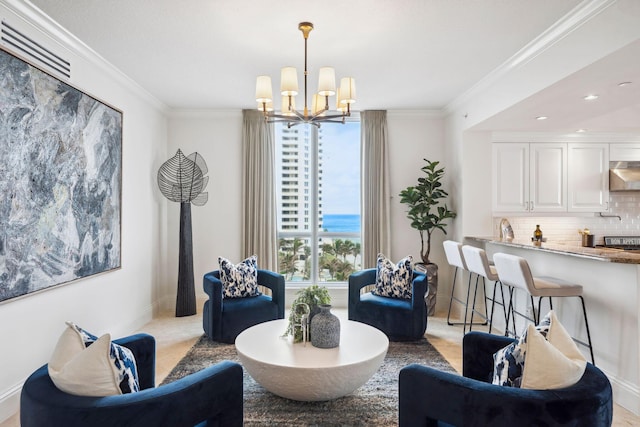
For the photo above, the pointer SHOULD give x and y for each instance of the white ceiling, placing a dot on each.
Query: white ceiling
(404, 54)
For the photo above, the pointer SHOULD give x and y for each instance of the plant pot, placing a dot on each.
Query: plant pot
(325, 328)
(431, 270)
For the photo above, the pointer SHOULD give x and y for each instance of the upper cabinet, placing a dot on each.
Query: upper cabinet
(529, 177)
(624, 152)
(550, 177)
(588, 184)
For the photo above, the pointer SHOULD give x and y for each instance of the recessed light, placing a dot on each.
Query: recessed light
(542, 118)
(581, 130)
(624, 84)
(590, 97)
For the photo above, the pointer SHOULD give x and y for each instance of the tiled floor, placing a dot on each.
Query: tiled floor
(176, 335)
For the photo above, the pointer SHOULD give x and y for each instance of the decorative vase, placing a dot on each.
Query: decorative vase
(431, 270)
(325, 328)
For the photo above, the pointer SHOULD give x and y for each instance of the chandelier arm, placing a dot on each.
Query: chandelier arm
(283, 117)
(299, 115)
(330, 116)
(333, 119)
(319, 114)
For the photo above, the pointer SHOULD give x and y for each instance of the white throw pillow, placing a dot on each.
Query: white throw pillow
(551, 362)
(544, 358)
(85, 365)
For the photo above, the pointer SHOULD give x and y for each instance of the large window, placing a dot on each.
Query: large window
(318, 196)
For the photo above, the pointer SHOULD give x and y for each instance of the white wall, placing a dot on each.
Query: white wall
(119, 301)
(216, 226)
(414, 136)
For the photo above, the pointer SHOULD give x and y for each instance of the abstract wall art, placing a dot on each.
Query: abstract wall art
(60, 181)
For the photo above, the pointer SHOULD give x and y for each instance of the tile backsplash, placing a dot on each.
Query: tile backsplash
(564, 229)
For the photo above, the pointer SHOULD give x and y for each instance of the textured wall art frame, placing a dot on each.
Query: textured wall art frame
(60, 181)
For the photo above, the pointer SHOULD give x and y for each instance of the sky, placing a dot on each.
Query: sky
(341, 168)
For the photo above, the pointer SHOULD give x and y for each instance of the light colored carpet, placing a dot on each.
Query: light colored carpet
(373, 404)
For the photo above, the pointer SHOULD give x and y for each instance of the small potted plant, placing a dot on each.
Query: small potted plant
(313, 296)
(427, 214)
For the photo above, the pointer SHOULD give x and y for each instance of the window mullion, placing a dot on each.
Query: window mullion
(315, 273)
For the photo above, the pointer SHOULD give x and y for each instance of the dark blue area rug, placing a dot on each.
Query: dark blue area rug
(373, 404)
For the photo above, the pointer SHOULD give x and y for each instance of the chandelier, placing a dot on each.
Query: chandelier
(319, 111)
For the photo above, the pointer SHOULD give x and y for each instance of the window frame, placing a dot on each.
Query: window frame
(313, 233)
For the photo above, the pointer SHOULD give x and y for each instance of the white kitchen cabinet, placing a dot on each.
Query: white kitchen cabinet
(529, 177)
(588, 179)
(624, 152)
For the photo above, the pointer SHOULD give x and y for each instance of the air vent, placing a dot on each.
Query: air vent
(40, 55)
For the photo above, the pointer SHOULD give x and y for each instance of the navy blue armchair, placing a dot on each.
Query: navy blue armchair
(224, 318)
(210, 397)
(429, 397)
(399, 319)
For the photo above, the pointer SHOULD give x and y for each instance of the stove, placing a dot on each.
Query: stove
(623, 243)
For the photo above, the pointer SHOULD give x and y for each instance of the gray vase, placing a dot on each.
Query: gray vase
(325, 328)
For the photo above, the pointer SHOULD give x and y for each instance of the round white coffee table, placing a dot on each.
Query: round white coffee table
(304, 372)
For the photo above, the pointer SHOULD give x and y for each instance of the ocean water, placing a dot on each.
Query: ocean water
(341, 223)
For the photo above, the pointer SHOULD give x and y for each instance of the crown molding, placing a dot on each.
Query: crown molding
(202, 113)
(36, 19)
(581, 14)
(595, 137)
(414, 113)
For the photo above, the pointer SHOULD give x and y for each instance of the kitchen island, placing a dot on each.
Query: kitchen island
(610, 280)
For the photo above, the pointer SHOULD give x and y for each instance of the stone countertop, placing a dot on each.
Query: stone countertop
(598, 254)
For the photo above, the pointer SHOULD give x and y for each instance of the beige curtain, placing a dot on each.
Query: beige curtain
(375, 187)
(258, 190)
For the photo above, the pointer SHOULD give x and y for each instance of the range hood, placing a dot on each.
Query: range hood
(624, 176)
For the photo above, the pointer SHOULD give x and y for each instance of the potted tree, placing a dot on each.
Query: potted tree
(427, 214)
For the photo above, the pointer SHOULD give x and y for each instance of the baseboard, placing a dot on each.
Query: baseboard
(10, 402)
(625, 394)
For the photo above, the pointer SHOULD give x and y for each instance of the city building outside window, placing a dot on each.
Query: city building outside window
(318, 201)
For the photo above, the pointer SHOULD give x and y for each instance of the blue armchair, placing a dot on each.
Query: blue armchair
(224, 318)
(399, 319)
(429, 397)
(211, 397)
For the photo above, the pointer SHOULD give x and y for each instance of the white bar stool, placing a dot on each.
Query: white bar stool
(477, 262)
(514, 271)
(455, 258)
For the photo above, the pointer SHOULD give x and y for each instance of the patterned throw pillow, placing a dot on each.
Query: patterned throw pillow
(544, 358)
(239, 280)
(509, 361)
(393, 280)
(86, 365)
